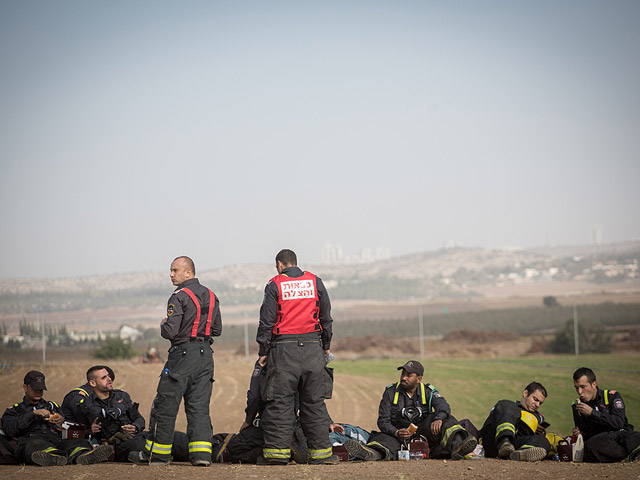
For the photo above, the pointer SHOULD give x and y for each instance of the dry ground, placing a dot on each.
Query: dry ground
(229, 390)
(227, 407)
(464, 470)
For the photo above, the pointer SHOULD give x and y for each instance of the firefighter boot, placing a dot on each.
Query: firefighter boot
(466, 446)
(531, 454)
(361, 452)
(505, 449)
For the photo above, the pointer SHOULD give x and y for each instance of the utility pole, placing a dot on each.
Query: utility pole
(44, 338)
(575, 329)
(420, 322)
(246, 335)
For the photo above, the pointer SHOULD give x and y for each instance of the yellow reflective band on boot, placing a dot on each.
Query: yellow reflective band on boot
(448, 433)
(529, 420)
(505, 426)
(320, 454)
(77, 450)
(50, 449)
(200, 447)
(276, 453)
(154, 447)
(634, 452)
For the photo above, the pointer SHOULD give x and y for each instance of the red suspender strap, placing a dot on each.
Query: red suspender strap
(212, 303)
(194, 330)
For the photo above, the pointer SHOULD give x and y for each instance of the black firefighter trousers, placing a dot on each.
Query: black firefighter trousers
(70, 448)
(451, 435)
(502, 424)
(188, 373)
(296, 364)
(609, 447)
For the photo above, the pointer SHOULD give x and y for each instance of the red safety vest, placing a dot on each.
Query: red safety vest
(298, 304)
(196, 323)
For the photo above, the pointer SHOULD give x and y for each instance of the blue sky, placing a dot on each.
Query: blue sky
(133, 132)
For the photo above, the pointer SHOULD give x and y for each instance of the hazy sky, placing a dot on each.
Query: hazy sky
(136, 131)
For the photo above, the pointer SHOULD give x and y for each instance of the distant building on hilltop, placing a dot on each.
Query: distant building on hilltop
(596, 235)
(332, 254)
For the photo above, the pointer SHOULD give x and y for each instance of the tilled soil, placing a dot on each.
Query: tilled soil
(353, 397)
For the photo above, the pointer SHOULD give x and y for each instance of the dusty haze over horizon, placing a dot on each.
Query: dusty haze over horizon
(134, 132)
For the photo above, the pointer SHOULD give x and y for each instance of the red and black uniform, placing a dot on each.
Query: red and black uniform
(506, 422)
(295, 328)
(33, 433)
(608, 435)
(193, 317)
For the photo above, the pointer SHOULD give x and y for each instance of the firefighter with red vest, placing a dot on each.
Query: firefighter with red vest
(193, 317)
(294, 335)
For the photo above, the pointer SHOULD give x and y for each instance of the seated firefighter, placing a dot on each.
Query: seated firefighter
(600, 416)
(515, 430)
(35, 423)
(412, 409)
(112, 415)
(70, 407)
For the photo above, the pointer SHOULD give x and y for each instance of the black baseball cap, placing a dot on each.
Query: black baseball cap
(35, 380)
(413, 366)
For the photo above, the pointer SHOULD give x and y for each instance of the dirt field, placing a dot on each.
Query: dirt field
(466, 470)
(227, 407)
(229, 391)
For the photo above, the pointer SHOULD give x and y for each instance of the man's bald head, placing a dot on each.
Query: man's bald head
(188, 264)
(182, 269)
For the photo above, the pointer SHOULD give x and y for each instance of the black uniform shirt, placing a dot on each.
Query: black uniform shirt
(255, 405)
(71, 404)
(390, 416)
(269, 309)
(20, 421)
(606, 416)
(113, 412)
(181, 314)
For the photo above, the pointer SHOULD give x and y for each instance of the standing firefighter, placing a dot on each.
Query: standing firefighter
(193, 317)
(295, 336)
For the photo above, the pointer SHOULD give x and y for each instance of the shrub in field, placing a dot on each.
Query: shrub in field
(550, 301)
(591, 339)
(114, 347)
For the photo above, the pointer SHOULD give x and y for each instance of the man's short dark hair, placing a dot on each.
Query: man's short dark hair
(584, 372)
(190, 265)
(533, 386)
(287, 258)
(95, 368)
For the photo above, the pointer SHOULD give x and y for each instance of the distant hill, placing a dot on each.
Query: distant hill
(451, 272)
(562, 251)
